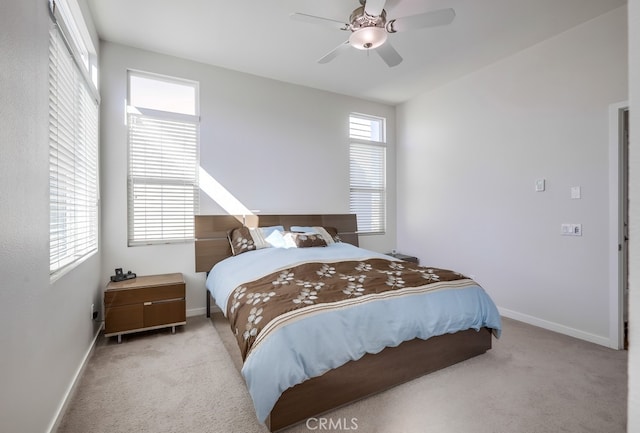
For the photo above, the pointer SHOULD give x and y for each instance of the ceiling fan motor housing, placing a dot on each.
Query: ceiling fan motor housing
(360, 19)
(368, 31)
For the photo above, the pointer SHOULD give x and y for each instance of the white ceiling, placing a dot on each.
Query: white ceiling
(258, 37)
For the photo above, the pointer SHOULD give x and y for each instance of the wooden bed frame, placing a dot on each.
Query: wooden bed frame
(356, 379)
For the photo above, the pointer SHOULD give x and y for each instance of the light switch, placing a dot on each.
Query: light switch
(575, 192)
(571, 229)
(539, 185)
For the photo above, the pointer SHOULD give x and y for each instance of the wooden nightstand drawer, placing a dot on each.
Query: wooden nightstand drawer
(159, 313)
(124, 318)
(128, 296)
(143, 303)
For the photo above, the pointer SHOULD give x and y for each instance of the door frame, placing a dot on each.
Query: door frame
(616, 233)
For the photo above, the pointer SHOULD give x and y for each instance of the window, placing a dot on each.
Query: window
(77, 37)
(73, 150)
(163, 140)
(367, 174)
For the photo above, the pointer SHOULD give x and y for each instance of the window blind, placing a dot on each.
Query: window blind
(163, 179)
(73, 160)
(367, 156)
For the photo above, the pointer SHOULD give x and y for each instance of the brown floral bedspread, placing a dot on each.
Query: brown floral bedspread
(262, 306)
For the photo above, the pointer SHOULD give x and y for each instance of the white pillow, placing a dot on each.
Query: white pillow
(266, 231)
(289, 242)
(258, 238)
(276, 239)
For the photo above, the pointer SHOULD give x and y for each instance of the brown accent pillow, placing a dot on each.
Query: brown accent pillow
(240, 240)
(306, 240)
(333, 232)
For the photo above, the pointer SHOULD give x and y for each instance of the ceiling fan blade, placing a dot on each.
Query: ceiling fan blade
(335, 52)
(319, 20)
(440, 17)
(389, 54)
(374, 7)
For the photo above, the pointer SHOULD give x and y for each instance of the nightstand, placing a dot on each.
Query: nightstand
(405, 257)
(144, 303)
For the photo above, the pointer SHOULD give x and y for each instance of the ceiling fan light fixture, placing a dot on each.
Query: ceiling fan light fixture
(366, 38)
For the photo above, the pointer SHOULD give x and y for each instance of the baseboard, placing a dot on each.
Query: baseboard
(197, 312)
(203, 311)
(53, 427)
(62, 407)
(556, 327)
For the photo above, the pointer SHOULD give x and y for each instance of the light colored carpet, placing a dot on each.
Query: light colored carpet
(532, 381)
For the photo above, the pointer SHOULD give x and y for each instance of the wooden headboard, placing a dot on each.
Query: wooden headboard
(211, 244)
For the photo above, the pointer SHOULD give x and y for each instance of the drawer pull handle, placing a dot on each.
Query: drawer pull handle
(148, 303)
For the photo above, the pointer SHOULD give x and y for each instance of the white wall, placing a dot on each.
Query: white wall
(277, 147)
(45, 329)
(633, 406)
(468, 155)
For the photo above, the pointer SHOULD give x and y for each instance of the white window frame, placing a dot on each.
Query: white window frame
(73, 145)
(163, 193)
(367, 173)
(67, 15)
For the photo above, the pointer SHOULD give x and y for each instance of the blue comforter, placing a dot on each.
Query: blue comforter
(310, 346)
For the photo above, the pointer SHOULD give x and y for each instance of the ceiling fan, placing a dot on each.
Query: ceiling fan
(369, 28)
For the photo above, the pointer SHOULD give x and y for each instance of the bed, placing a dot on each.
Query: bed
(313, 356)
